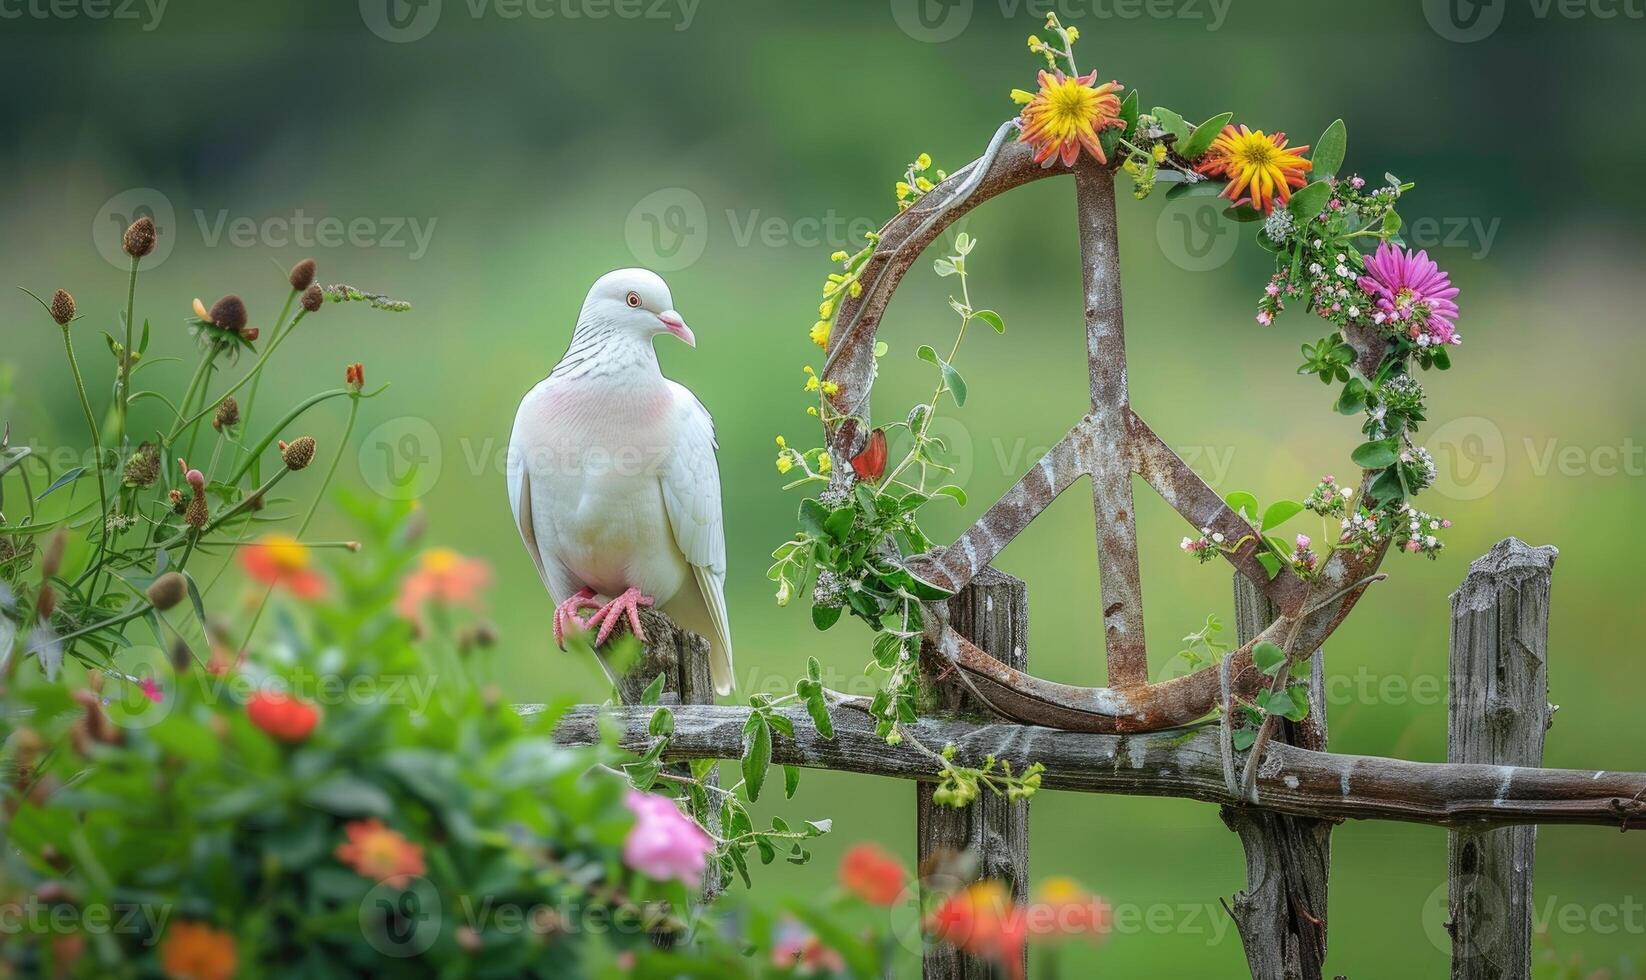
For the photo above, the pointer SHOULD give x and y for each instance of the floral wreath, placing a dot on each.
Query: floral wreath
(1338, 254)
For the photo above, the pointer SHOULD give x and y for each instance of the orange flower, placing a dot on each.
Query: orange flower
(983, 921)
(444, 576)
(280, 559)
(196, 951)
(287, 718)
(1063, 908)
(376, 852)
(1260, 169)
(872, 875)
(354, 376)
(1066, 115)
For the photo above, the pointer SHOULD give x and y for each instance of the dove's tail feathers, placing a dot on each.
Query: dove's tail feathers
(713, 588)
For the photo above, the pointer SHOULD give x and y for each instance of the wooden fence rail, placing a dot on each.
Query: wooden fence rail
(1490, 795)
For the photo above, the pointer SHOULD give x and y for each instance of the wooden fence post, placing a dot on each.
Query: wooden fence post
(1281, 916)
(993, 611)
(1498, 711)
(682, 657)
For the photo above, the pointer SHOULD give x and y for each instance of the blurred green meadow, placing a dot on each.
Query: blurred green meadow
(487, 160)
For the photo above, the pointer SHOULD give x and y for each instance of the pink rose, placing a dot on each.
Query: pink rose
(664, 843)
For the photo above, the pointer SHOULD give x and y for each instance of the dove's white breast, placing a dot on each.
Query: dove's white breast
(595, 451)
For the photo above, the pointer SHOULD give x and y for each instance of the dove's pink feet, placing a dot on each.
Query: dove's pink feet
(626, 606)
(566, 613)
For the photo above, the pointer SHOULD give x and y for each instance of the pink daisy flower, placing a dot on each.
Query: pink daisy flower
(1411, 290)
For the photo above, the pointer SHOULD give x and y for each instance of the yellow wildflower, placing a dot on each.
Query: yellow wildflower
(784, 463)
(923, 184)
(811, 410)
(782, 443)
(824, 463)
(1021, 97)
(1160, 153)
(831, 389)
(820, 333)
(923, 161)
(826, 309)
(839, 257)
(1034, 43)
(856, 289)
(812, 384)
(1074, 34)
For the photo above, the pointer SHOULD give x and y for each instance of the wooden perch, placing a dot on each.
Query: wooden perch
(1181, 763)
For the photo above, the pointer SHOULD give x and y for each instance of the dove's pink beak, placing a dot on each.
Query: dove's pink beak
(677, 326)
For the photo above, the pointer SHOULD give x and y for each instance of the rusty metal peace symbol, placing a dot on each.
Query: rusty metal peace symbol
(1110, 445)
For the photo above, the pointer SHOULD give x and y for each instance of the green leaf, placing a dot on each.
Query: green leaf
(944, 268)
(349, 796)
(1377, 454)
(1352, 401)
(61, 481)
(1329, 150)
(662, 723)
(813, 518)
(925, 353)
(791, 781)
(1128, 114)
(1244, 504)
(1243, 739)
(1270, 563)
(757, 758)
(1268, 657)
(824, 617)
(1201, 139)
(195, 600)
(1310, 201)
(955, 383)
(818, 708)
(992, 319)
(1171, 122)
(1279, 513)
(814, 670)
(955, 492)
(654, 691)
(838, 524)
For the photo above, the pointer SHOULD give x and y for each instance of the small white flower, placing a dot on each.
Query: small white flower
(1218, 537)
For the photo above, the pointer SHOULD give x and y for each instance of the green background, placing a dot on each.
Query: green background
(528, 148)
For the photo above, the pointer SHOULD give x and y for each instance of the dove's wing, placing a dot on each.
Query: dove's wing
(531, 518)
(691, 496)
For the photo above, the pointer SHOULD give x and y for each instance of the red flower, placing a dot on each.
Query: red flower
(354, 376)
(196, 951)
(1063, 908)
(871, 462)
(983, 921)
(444, 576)
(872, 875)
(287, 718)
(381, 854)
(280, 559)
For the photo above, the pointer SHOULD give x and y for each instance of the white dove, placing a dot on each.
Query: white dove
(613, 479)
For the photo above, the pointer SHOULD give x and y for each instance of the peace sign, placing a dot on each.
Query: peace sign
(1110, 445)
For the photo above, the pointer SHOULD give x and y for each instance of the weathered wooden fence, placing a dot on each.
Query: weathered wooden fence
(1489, 795)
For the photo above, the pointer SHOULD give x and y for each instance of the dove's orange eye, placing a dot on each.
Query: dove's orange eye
(634, 300)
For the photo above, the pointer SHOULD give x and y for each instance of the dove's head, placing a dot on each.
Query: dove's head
(636, 301)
